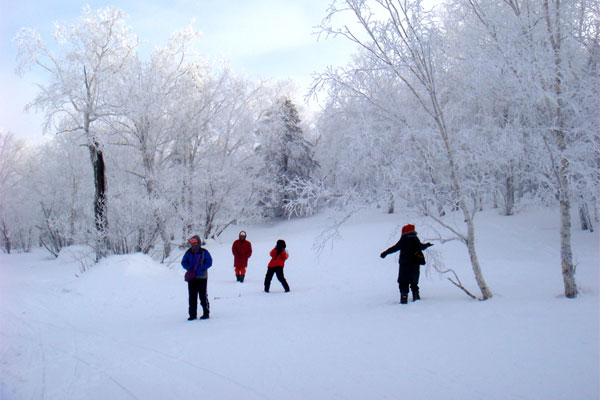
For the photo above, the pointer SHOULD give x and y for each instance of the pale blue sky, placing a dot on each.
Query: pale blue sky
(268, 39)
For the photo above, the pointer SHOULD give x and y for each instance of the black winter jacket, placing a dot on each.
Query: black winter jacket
(409, 244)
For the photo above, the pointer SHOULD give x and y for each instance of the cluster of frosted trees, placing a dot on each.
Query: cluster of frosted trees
(471, 105)
(479, 104)
(145, 152)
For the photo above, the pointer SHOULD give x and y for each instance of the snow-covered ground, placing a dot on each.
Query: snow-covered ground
(119, 331)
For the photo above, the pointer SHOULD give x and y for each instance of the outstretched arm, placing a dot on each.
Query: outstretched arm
(391, 250)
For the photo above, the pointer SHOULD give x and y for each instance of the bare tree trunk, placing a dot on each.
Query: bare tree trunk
(148, 162)
(566, 253)
(164, 235)
(509, 195)
(187, 194)
(483, 287)
(562, 169)
(97, 159)
(438, 116)
(183, 211)
(495, 199)
(6, 243)
(160, 226)
(584, 217)
(209, 219)
(98, 166)
(486, 293)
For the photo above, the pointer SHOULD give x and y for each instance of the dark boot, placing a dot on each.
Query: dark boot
(205, 313)
(404, 299)
(242, 278)
(237, 277)
(414, 288)
(191, 318)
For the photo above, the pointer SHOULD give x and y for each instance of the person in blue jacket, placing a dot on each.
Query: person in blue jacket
(197, 261)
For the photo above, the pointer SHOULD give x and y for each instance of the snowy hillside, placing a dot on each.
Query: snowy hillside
(119, 331)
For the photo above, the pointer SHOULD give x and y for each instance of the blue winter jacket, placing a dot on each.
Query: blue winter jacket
(190, 258)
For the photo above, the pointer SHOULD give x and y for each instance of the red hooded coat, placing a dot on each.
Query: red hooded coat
(242, 250)
(278, 260)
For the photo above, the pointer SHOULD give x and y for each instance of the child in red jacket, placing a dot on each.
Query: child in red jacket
(278, 256)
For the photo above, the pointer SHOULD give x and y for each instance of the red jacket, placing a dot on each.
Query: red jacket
(278, 260)
(242, 250)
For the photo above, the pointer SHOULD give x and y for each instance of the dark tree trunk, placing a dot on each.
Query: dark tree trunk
(99, 198)
(509, 196)
(391, 203)
(6, 243)
(584, 217)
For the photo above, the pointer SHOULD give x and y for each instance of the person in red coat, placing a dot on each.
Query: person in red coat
(242, 251)
(278, 256)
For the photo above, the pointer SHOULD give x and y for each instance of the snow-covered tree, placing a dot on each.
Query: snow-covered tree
(150, 94)
(487, 103)
(226, 183)
(548, 51)
(287, 156)
(59, 188)
(80, 93)
(403, 40)
(174, 134)
(12, 154)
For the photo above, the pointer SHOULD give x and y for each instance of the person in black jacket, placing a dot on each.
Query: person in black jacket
(411, 257)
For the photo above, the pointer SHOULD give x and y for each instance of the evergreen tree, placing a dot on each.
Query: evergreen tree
(288, 158)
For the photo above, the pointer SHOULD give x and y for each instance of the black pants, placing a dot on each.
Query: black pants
(410, 279)
(279, 272)
(197, 288)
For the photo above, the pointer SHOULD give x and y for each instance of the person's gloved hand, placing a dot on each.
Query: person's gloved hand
(428, 244)
(382, 255)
